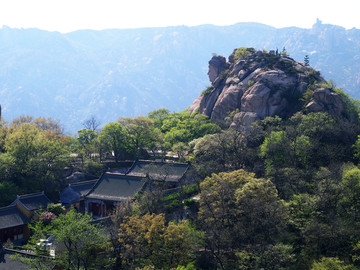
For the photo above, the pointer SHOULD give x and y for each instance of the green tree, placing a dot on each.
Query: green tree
(183, 127)
(42, 260)
(321, 225)
(282, 150)
(159, 116)
(147, 240)
(21, 143)
(331, 138)
(356, 147)
(35, 157)
(350, 195)
(180, 149)
(331, 263)
(8, 192)
(79, 244)
(218, 216)
(82, 241)
(141, 132)
(294, 149)
(3, 134)
(284, 53)
(275, 257)
(223, 151)
(86, 139)
(157, 145)
(243, 52)
(306, 60)
(114, 138)
(262, 214)
(239, 212)
(275, 150)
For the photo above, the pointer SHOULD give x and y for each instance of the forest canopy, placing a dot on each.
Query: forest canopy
(282, 194)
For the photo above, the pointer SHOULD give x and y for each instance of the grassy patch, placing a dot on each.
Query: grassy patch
(207, 90)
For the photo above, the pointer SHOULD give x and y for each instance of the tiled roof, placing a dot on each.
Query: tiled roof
(33, 201)
(170, 172)
(115, 187)
(6, 263)
(76, 190)
(11, 216)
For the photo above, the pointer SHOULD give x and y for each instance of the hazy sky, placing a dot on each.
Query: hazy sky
(70, 15)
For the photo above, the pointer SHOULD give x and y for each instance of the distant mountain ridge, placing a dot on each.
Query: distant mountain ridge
(112, 73)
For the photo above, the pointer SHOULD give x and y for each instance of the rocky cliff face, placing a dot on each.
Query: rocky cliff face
(255, 84)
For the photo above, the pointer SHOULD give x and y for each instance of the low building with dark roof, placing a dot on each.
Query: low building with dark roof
(109, 191)
(13, 224)
(29, 203)
(74, 194)
(14, 218)
(113, 188)
(170, 173)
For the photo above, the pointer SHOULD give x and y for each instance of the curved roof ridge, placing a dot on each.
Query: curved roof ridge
(8, 206)
(29, 204)
(162, 161)
(124, 174)
(83, 182)
(172, 171)
(31, 195)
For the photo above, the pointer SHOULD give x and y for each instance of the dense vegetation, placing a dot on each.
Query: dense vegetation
(284, 195)
(33, 154)
(34, 151)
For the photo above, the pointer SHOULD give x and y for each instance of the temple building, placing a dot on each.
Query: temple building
(13, 224)
(74, 194)
(29, 203)
(115, 187)
(14, 219)
(109, 191)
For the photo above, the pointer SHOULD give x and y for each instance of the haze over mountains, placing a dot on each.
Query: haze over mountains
(113, 73)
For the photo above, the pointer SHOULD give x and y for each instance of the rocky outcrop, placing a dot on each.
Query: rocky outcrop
(217, 64)
(261, 84)
(324, 99)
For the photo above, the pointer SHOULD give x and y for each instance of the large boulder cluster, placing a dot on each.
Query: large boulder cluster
(258, 85)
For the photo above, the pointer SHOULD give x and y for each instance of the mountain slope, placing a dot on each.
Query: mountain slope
(114, 73)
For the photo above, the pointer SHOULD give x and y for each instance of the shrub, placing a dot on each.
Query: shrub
(93, 167)
(312, 76)
(47, 217)
(207, 90)
(243, 52)
(173, 205)
(189, 202)
(172, 196)
(352, 106)
(331, 263)
(287, 67)
(251, 83)
(55, 208)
